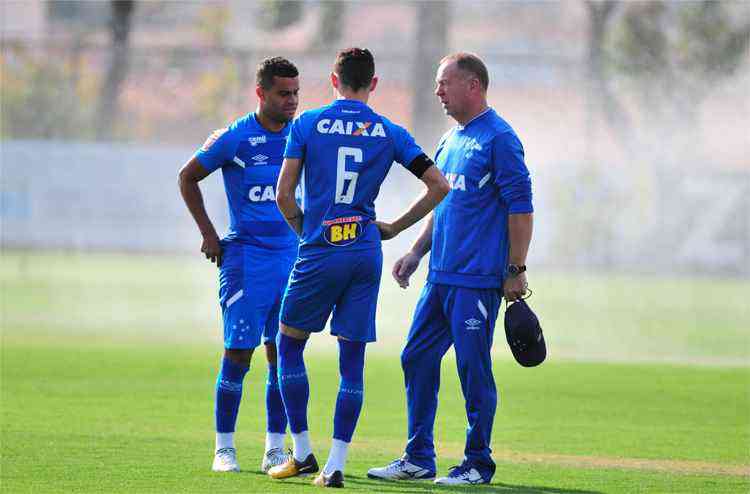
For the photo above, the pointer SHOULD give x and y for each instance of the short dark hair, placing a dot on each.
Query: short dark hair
(355, 67)
(468, 62)
(274, 67)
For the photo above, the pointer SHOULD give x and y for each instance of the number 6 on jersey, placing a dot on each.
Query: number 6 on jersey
(344, 194)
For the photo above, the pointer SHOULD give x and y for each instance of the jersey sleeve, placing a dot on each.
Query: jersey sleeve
(511, 174)
(218, 149)
(295, 143)
(406, 149)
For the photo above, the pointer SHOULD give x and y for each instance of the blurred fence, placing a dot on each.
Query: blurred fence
(68, 195)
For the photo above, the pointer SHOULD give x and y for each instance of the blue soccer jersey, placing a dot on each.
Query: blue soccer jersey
(250, 158)
(347, 150)
(484, 164)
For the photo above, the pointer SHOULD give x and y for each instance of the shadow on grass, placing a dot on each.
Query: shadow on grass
(416, 487)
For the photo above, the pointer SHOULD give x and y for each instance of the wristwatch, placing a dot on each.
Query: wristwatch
(514, 270)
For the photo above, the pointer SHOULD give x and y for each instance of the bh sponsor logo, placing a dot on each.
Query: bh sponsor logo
(342, 231)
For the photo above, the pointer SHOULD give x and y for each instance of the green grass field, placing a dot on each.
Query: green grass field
(109, 361)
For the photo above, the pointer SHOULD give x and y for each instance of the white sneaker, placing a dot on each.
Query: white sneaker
(462, 475)
(401, 469)
(272, 458)
(225, 460)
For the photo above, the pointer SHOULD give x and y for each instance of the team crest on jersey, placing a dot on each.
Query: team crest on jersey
(342, 231)
(471, 146)
(255, 140)
(350, 128)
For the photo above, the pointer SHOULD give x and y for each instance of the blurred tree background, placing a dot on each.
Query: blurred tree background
(634, 115)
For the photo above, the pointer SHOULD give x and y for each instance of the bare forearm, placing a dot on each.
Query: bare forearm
(520, 228)
(191, 194)
(419, 209)
(291, 211)
(423, 243)
(437, 189)
(288, 180)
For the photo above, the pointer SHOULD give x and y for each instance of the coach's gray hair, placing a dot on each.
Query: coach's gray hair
(471, 63)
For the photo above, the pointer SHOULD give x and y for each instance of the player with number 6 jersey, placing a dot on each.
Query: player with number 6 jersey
(353, 149)
(340, 153)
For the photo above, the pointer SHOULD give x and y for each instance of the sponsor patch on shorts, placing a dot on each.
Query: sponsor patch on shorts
(342, 231)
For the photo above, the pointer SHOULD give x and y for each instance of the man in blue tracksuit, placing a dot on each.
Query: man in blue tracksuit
(479, 237)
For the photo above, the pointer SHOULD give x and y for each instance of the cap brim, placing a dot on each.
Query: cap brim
(532, 355)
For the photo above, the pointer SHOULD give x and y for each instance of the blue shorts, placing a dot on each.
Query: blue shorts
(251, 284)
(343, 282)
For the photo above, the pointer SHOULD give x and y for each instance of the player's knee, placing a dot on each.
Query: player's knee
(271, 352)
(239, 357)
(291, 332)
(407, 359)
(412, 359)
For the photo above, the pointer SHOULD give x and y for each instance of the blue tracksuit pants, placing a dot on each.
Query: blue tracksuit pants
(465, 318)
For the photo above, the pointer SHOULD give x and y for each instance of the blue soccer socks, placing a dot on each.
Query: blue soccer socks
(228, 395)
(293, 384)
(349, 400)
(295, 393)
(275, 414)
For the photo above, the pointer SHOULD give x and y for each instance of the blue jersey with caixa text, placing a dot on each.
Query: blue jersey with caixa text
(250, 158)
(484, 164)
(347, 150)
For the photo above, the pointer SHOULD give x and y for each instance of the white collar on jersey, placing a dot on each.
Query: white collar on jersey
(462, 127)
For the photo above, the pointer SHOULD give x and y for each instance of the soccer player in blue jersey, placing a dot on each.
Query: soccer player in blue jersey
(256, 255)
(341, 154)
(479, 236)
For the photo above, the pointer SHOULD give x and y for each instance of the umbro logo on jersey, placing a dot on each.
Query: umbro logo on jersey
(366, 129)
(255, 140)
(473, 324)
(260, 159)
